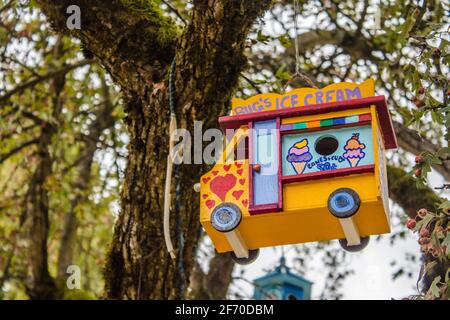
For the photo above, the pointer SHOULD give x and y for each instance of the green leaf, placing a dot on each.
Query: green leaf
(443, 152)
(261, 37)
(446, 243)
(435, 160)
(434, 288)
(282, 74)
(285, 40)
(424, 222)
(429, 266)
(445, 205)
(409, 23)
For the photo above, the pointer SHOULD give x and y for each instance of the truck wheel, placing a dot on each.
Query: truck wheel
(226, 217)
(252, 256)
(357, 248)
(343, 203)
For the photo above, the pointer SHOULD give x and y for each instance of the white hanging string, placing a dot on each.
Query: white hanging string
(297, 54)
(298, 74)
(168, 185)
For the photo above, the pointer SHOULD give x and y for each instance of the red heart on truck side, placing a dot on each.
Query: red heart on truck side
(210, 203)
(222, 184)
(237, 194)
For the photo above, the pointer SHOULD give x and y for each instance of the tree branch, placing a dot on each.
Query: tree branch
(7, 6)
(403, 191)
(422, 9)
(17, 149)
(174, 10)
(132, 39)
(33, 82)
(213, 285)
(410, 141)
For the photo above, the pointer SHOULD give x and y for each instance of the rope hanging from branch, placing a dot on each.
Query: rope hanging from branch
(298, 74)
(168, 186)
(297, 55)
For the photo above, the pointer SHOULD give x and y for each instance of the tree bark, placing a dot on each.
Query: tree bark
(403, 191)
(137, 49)
(210, 57)
(213, 285)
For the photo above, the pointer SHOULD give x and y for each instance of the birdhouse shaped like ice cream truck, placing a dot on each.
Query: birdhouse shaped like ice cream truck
(311, 168)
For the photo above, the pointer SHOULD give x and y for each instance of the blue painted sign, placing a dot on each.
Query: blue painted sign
(301, 152)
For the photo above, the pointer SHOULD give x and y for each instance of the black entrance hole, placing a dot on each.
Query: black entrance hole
(326, 145)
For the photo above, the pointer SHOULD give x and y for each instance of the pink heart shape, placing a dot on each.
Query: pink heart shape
(210, 203)
(222, 184)
(237, 194)
(206, 180)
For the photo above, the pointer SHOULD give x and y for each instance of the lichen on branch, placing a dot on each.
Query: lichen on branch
(164, 27)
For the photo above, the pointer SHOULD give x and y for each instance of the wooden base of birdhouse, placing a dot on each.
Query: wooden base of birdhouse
(351, 232)
(237, 243)
(306, 217)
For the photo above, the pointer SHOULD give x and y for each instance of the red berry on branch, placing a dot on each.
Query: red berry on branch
(436, 252)
(419, 159)
(418, 172)
(424, 233)
(424, 240)
(419, 103)
(422, 212)
(410, 223)
(421, 90)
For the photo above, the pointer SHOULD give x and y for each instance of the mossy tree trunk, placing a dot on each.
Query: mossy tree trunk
(103, 120)
(136, 44)
(35, 218)
(216, 283)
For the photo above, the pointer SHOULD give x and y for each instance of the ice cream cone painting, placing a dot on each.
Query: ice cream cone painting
(299, 156)
(353, 150)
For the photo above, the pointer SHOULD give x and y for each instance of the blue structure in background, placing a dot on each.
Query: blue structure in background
(282, 284)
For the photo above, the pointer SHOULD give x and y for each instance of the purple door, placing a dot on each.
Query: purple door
(265, 166)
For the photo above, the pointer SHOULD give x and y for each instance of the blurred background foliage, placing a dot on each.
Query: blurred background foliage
(86, 149)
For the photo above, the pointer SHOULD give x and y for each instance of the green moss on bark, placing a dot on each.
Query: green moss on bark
(151, 11)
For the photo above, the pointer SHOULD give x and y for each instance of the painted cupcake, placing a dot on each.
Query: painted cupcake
(354, 152)
(299, 156)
